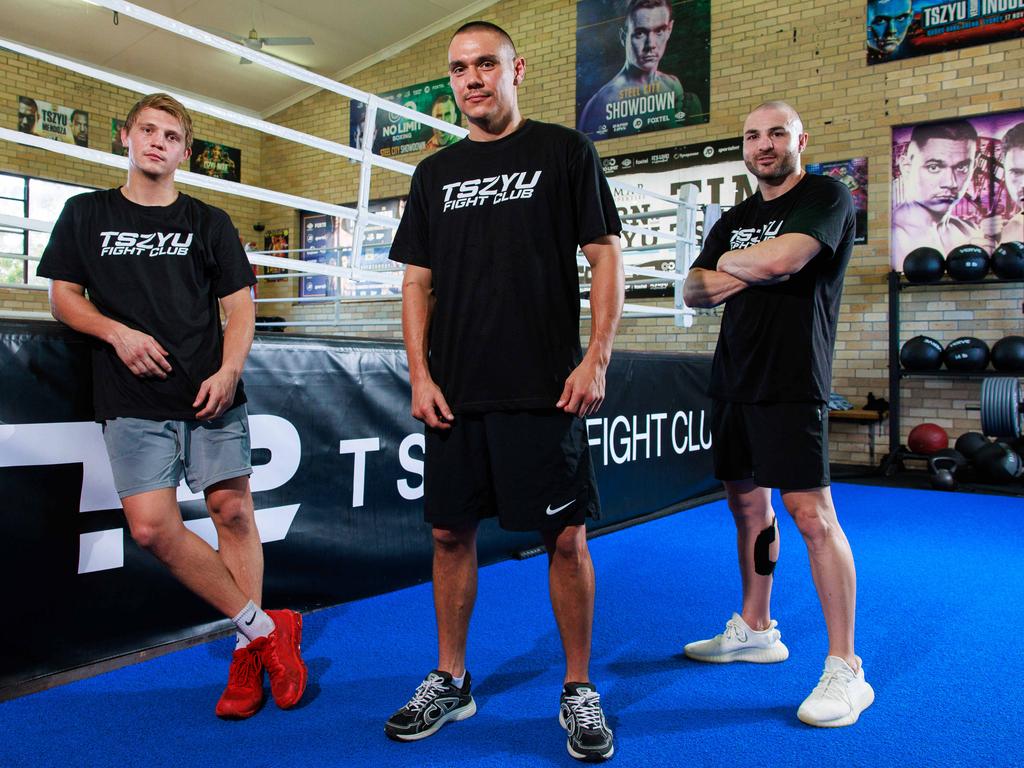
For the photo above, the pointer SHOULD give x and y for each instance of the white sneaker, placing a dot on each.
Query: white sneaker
(839, 697)
(740, 643)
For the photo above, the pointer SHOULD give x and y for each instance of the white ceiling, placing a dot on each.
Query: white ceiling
(349, 35)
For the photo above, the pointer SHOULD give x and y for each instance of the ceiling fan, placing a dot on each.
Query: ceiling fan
(256, 43)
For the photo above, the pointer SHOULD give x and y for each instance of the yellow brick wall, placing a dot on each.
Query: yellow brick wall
(811, 54)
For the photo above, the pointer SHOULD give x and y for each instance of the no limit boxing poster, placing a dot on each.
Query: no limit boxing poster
(53, 121)
(396, 135)
(217, 160)
(956, 182)
(715, 167)
(853, 174)
(901, 29)
(641, 65)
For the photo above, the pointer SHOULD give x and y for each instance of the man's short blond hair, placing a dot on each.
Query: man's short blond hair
(164, 103)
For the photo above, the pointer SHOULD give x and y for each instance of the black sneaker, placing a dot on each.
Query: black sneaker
(580, 714)
(435, 702)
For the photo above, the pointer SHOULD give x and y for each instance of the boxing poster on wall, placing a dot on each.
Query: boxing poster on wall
(275, 243)
(716, 168)
(217, 160)
(320, 245)
(115, 138)
(336, 235)
(956, 182)
(854, 174)
(901, 29)
(641, 65)
(395, 135)
(53, 121)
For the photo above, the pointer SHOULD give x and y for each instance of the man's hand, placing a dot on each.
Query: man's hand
(217, 393)
(583, 392)
(141, 353)
(430, 407)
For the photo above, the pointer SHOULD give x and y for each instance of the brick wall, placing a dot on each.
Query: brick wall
(811, 54)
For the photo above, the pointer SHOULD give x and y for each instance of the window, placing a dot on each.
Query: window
(31, 198)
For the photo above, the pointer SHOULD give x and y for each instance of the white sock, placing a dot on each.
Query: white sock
(458, 681)
(253, 622)
(240, 641)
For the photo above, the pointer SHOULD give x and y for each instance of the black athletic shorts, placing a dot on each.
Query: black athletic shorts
(779, 445)
(531, 468)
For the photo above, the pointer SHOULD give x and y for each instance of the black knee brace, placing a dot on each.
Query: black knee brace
(763, 564)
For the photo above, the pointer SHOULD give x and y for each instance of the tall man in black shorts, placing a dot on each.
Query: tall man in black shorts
(777, 261)
(490, 317)
(158, 267)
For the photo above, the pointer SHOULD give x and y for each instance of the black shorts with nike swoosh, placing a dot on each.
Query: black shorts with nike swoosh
(531, 468)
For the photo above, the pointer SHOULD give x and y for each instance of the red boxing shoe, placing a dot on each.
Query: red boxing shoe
(243, 695)
(280, 654)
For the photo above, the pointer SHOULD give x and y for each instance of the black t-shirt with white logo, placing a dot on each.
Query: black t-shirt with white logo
(776, 341)
(498, 223)
(157, 269)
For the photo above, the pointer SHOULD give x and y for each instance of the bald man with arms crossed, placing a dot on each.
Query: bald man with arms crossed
(777, 261)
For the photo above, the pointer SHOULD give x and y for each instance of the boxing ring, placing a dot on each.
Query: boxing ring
(337, 458)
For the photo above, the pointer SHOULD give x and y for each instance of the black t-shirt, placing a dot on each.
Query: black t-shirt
(776, 341)
(157, 269)
(498, 223)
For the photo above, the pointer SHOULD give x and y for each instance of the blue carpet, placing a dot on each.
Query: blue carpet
(939, 577)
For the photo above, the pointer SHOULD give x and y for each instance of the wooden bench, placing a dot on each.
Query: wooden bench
(862, 416)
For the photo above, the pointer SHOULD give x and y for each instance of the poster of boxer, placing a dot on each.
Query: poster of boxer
(716, 168)
(854, 174)
(275, 243)
(956, 182)
(217, 160)
(397, 135)
(53, 121)
(115, 138)
(641, 65)
(901, 29)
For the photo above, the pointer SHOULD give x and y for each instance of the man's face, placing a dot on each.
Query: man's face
(1013, 165)
(938, 172)
(772, 142)
(888, 22)
(484, 75)
(645, 37)
(444, 110)
(156, 143)
(27, 114)
(80, 129)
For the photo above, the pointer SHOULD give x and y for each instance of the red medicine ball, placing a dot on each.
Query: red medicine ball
(927, 439)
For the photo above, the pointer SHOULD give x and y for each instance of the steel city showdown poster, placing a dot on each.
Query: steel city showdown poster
(641, 65)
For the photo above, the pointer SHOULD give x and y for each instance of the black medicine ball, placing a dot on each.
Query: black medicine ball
(924, 265)
(967, 262)
(1008, 354)
(1008, 261)
(966, 354)
(969, 443)
(997, 463)
(921, 353)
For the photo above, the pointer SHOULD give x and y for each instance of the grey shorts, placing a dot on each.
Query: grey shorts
(146, 455)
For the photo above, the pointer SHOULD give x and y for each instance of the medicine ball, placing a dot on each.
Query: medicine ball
(1008, 261)
(969, 443)
(921, 353)
(1008, 354)
(966, 354)
(997, 463)
(924, 265)
(927, 439)
(967, 262)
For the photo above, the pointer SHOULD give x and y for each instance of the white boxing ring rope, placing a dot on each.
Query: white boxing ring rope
(683, 243)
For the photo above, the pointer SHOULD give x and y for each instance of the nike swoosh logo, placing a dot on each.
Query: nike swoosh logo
(250, 621)
(549, 511)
